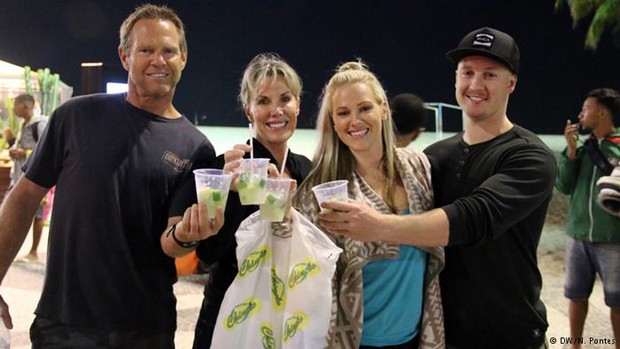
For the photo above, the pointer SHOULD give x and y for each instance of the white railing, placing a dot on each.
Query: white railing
(438, 107)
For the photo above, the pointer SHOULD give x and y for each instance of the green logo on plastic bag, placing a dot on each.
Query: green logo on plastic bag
(266, 331)
(254, 260)
(301, 271)
(293, 325)
(278, 293)
(241, 312)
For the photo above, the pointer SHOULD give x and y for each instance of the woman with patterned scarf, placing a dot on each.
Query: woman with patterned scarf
(385, 295)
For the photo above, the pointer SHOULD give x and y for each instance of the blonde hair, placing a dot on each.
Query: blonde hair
(155, 12)
(333, 159)
(263, 66)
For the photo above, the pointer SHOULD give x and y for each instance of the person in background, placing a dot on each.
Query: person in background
(409, 117)
(270, 94)
(8, 136)
(27, 138)
(116, 161)
(386, 295)
(492, 185)
(593, 242)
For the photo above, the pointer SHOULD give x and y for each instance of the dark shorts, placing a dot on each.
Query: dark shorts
(46, 334)
(583, 261)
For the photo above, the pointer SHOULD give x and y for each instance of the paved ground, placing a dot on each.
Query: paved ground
(22, 286)
(551, 263)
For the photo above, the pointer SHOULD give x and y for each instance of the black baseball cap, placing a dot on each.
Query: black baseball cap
(491, 43)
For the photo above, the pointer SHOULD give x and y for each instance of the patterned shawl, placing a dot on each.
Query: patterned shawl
(348, 303)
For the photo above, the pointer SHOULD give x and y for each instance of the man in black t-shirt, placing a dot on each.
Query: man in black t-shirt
(116, 161)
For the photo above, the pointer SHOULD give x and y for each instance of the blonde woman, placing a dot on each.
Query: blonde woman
(386, 295)
(270, 94)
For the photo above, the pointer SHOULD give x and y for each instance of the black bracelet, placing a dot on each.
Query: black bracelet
(183, 244)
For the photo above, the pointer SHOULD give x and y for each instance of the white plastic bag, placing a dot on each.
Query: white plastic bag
(609, 195)
(282, 295)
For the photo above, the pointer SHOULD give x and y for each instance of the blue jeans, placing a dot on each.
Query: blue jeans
(583, 261)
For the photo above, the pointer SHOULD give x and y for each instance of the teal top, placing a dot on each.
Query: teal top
(393, 290)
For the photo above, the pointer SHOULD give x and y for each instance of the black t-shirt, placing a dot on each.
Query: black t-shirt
(496, 195)
(116, 168)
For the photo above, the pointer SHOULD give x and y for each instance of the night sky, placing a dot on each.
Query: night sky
(403, 42)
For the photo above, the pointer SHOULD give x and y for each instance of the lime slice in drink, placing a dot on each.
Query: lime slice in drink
(271, 199)
(242, 184)
(216, 195)
(204, 194)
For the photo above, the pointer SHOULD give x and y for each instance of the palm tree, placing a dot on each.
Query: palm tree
(604, 13)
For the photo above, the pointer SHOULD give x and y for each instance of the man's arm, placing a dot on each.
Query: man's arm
(360, 222)
(571, 134)
(16, 213)
(568, 167)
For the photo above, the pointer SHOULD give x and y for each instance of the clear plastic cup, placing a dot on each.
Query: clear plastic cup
(331, 191)
(212, 187)
(276, 200)
(251, 181)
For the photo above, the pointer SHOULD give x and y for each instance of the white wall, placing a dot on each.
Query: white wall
(304, 141)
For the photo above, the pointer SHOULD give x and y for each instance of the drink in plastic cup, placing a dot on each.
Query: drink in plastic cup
(274, 207)
(252, 180)
(212, 187)
(331, 191)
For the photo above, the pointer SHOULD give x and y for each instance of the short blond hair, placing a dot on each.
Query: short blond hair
(149, 11)
(267, 65)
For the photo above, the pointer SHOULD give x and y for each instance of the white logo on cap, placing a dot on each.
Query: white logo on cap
(483, 39)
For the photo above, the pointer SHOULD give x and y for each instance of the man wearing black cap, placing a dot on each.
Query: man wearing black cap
(492, 185)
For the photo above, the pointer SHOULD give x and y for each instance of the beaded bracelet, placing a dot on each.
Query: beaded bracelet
(184, 244)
